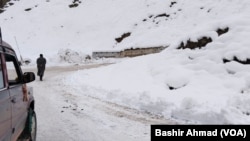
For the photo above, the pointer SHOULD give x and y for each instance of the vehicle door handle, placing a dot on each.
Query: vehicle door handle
(13, 100)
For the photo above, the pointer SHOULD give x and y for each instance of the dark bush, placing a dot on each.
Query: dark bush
(222, 31)
(125, 35)
(199, 44)
(244, 62)
(3, 2)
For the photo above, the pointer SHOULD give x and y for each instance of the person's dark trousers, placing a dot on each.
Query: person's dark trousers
(41, 78)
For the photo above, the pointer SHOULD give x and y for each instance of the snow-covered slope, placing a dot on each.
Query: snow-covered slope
(203, 85)
(48, 26)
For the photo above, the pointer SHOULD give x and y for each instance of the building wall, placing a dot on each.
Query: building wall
(106, 54)
(127, 52)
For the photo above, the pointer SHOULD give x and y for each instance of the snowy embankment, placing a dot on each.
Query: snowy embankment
(197, 85)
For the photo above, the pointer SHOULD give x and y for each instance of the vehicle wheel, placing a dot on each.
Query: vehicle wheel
(33, 126)
(29, 133)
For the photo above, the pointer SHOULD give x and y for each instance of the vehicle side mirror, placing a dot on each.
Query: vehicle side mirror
(28, 77)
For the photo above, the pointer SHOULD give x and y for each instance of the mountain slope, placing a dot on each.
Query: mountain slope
(94, 25)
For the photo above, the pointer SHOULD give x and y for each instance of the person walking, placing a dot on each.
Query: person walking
(41, 63)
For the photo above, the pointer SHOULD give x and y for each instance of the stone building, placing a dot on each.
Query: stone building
(132, 52)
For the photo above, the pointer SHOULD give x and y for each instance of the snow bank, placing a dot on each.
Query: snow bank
(190, 85)
(71, 56)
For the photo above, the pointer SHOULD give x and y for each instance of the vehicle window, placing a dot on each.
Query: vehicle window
(1, 75)
(13, 75)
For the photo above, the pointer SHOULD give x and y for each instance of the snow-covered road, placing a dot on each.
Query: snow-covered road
(63, 116)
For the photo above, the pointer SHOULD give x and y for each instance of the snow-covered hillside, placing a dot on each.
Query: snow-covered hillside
(210, 84)
(92, 25)
(52, 25)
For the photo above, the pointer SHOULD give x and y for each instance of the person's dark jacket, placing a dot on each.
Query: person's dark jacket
(41, 62)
